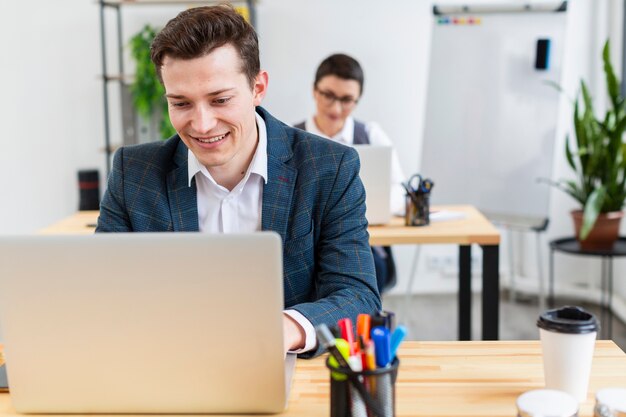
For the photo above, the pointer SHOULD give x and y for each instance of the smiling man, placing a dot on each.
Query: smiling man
(233, 167)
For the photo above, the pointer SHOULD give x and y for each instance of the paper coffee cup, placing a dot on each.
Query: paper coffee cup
(567, 338)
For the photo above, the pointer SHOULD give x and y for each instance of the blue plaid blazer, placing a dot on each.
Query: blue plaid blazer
(313, 198)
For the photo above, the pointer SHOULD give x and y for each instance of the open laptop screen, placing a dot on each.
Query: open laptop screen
(143, 323)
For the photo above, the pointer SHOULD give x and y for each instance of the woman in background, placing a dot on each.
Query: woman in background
(337, 89)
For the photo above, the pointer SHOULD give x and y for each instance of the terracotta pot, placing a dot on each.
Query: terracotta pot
(604, 232)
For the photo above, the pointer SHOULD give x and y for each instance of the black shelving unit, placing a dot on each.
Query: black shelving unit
(119, 77)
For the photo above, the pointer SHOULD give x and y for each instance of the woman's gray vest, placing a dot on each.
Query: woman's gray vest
(360, 134)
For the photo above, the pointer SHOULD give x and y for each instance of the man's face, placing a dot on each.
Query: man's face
(211, 106)
(335, 99)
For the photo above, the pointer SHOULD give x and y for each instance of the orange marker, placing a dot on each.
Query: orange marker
(363, 326)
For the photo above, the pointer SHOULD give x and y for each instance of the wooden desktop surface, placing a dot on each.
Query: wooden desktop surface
(473, 228)
(80, 223)
(453, 379)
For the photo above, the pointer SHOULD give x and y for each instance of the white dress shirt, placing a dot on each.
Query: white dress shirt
(239, 210)
(377, 137)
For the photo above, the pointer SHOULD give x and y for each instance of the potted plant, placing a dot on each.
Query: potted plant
(147, 92)
(599, 162)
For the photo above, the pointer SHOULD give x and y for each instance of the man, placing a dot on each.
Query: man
(337, 88)
(233, 167)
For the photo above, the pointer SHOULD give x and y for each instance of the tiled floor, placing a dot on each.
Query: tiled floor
(434, 317)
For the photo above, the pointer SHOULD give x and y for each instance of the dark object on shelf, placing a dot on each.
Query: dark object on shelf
(571, 246)
(89, 189)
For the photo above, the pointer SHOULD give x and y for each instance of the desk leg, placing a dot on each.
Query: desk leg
(491, 292)
(465, 292)
(603, 302)
(606, 320)
(551, 282)
(609, 326)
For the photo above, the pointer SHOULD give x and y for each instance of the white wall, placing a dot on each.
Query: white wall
(390, 40)
(50, 109)
(52, 103)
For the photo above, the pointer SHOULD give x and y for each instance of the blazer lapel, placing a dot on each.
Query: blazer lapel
(277, 195)
(182, 198)
(281, 178)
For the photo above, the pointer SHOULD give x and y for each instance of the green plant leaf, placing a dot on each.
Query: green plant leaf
(592, 210)
(558, 88)
(598, 153)
(586, 97)
(568, 154)
(573, 189)
(146, 90)
(165, 126)
(612, 84)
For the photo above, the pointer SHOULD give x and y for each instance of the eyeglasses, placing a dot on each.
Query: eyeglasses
(328, 99)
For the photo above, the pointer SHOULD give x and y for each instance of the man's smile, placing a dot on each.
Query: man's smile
(210, 139)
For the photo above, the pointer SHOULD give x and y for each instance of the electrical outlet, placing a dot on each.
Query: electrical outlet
(433, 262)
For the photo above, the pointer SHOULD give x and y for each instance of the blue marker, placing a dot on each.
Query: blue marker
(382, 345)
(396, 338)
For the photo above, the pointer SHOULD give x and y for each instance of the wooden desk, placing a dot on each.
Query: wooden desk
(80, 223)
(450, 379)
(474, 228)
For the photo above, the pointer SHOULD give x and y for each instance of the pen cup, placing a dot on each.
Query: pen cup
(362, 394)
(417, 209)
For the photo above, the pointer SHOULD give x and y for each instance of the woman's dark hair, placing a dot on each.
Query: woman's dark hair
(342, 66)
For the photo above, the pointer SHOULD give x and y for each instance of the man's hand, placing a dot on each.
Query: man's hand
(294, 336)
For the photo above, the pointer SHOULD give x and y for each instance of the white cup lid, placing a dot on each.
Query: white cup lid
(613, 400)
(546, 402)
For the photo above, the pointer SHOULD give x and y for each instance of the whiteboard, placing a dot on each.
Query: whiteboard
(491, 117)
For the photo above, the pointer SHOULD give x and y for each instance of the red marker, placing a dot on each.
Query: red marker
(345, 325)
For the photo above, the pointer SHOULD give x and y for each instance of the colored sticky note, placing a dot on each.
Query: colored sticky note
(244, 11)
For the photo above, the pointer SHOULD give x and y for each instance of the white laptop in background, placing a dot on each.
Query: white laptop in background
(376, 176)
(144, 323)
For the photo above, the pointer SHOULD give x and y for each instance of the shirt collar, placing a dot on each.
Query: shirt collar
(257, 166)
(345, 135)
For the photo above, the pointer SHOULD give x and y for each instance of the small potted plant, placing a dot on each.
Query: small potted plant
(599, 162)
(147, 92)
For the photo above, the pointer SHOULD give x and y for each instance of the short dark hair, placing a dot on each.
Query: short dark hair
(198, 31)
(342, 66)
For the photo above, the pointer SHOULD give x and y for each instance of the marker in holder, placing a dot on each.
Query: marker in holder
(379, 394)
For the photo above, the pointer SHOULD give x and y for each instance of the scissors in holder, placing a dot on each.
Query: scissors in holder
(414, 183)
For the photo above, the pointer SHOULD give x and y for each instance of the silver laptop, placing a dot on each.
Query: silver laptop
(144, 323)
(376, 176)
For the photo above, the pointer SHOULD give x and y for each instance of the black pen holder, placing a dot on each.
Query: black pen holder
(417, 209)
(375, 397)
